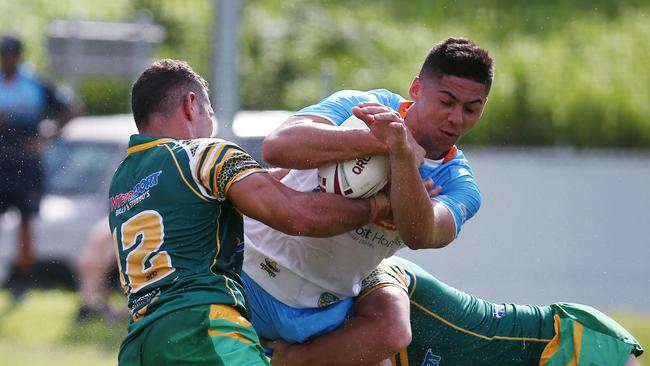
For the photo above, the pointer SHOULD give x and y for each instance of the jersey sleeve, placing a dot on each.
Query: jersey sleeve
(338, 106)
(460, 195)
(217, 164)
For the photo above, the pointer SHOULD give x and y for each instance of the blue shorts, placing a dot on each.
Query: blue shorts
(273, 319)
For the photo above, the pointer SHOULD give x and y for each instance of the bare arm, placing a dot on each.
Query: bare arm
(421, 222)
(313, 142)
(317, 214)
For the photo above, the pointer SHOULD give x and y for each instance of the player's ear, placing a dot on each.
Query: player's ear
(416, 86)
(187, 105)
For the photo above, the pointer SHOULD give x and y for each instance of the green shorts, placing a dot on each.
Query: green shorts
(198, 335)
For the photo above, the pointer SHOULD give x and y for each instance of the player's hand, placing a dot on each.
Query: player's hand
(384, 122)
(429, 186)
(388, 127)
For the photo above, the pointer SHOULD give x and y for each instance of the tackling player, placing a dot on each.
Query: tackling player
(175, 214)
(451, 327)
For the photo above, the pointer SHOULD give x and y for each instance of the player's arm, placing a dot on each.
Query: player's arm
(308, 141)
(379, 329)
(264, 198)
(421, 221)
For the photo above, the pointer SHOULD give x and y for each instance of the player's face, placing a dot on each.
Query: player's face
(444, 111)
(9, 62)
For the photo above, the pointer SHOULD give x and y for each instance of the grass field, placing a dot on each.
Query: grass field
(41, 331)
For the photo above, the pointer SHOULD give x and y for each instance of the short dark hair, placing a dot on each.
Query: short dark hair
(10, 44)
(459, 57)
(161, 87)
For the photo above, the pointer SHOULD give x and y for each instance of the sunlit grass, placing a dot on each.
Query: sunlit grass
(41, 330)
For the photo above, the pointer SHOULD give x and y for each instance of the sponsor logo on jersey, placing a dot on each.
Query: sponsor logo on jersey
(326, 299)
(239, 245)
(271, 267)
(377, 235)
(123, 202)
(498, 311)
(430, 359)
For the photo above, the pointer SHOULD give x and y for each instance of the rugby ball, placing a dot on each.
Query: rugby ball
(357, 178)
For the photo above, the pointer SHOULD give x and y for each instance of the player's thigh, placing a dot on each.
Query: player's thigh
(202, 335)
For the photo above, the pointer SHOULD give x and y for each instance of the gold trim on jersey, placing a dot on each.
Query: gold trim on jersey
(180, 171)
(209, 156)
(147, 145)
(226, 312)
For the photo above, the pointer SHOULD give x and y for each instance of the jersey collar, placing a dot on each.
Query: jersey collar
(140, 143)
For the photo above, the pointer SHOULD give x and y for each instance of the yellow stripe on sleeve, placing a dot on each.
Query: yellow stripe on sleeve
(553, 346)
(577, 344)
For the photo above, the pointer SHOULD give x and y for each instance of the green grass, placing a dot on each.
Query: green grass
(41, 331)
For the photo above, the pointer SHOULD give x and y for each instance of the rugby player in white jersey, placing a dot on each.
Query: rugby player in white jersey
(300, 288)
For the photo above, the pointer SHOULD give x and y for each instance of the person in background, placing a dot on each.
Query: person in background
(94, 267)
(25, 101)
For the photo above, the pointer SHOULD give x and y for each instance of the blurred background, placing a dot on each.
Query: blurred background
(562, 153)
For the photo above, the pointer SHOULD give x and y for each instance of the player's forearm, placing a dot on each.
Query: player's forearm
(412, 211)
(306, 145)
(327, 214)
(349, 345)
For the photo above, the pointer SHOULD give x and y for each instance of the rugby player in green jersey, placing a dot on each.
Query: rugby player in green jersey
(176, 205)
(450, 327)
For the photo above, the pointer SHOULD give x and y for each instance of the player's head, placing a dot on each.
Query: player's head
(11, 49)
(449, 93)
(166, 86)
(459, 57)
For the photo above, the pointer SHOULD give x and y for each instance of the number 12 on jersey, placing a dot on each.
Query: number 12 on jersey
(143, 235)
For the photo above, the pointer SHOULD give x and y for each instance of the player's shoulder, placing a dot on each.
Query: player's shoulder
(355, 97)
(199, 146)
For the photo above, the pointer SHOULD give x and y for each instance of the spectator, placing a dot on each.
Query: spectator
(25, 101)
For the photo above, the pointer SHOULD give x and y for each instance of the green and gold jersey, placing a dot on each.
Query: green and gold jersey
(178, 241)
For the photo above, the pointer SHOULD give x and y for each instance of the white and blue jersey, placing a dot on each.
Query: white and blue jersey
(291, 277)
(455, 174)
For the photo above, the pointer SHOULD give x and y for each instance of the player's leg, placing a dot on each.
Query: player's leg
(93, 264)
(28, 199)
(202, 335)
(25, 260)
